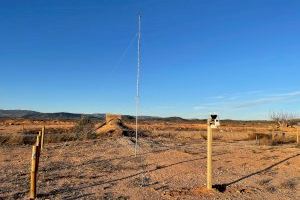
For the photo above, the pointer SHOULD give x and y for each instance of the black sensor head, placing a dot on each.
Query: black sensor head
(214, 116)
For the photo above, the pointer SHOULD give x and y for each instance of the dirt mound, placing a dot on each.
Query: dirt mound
(114, 127)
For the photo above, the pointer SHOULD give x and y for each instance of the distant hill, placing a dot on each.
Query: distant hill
(28, 114)
(16, 113)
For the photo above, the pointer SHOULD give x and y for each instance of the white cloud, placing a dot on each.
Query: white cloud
(289, 94)
(255, 98)
(281, 97)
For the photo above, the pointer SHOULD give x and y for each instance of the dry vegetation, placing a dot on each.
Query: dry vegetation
(80, 163)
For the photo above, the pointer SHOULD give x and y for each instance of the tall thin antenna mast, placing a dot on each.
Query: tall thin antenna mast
(137, 84)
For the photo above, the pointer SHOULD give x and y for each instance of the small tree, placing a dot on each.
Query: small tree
(283, 119)
(84, 128)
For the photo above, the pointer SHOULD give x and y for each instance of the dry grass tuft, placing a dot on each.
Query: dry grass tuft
(82, 131)
(290, 184)
(16, 139)
(215, 136)
(268, 139)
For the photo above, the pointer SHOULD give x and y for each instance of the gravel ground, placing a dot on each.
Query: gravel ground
(165, 168)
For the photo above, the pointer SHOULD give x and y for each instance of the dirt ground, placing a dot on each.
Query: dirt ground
(165, 168)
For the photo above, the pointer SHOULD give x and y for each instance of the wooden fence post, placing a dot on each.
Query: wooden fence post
(209, 157)
(298, 135)
(283, 137)
(38, 139)
(42, 139)
(38, 150)
(33, 173)
(256, 138)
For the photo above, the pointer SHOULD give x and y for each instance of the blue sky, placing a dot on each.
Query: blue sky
(237, 58)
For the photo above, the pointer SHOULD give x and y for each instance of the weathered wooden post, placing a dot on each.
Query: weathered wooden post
(42, 139)
(212, 122)
(38, 149)
(209, 157)
(38, 139)
(298, 130)
(256, 138)
(33, 173)
(283, 137)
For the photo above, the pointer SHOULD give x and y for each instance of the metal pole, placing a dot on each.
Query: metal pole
(209, 156)
(137, 84)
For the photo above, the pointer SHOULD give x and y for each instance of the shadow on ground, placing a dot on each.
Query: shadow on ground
(223, 187)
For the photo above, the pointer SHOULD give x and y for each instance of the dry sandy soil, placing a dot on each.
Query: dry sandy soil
(165, 168)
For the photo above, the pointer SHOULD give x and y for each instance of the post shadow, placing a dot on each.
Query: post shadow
(223, 187)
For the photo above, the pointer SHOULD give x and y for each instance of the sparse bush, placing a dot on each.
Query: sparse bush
(271, 189)
(3, 139)
(283, 140)
(267, 139)
(55, 138)
(263, 139)
(283, 119)
(164, 134)
(52, 135)
(289, 184)
(16, 139)
(85, 129)
(215, 136)
(251, 136)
